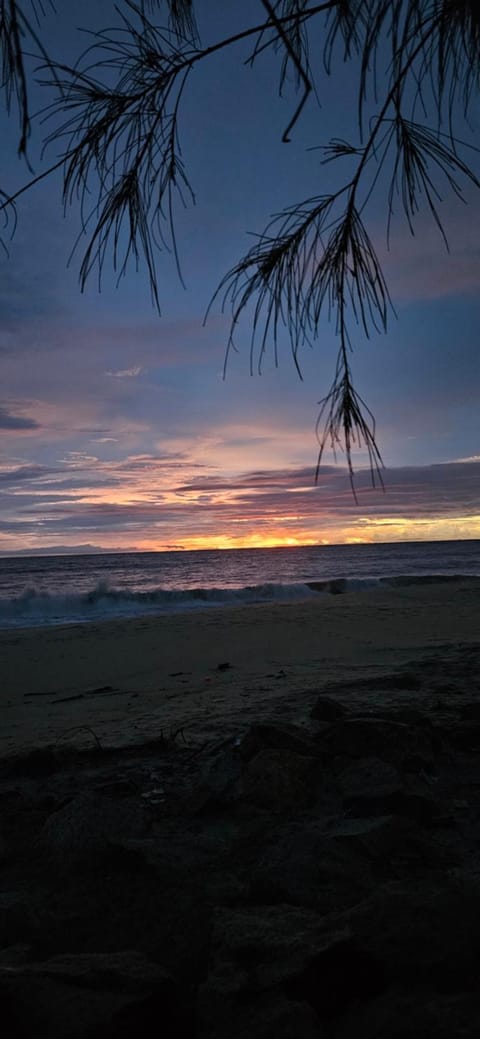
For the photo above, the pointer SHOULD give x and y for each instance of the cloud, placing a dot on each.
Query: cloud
(60, 550)
(283, 479)
(109, 380)
(419, 266)
(19, 474)
(142, 499)
(126, 373)
(17, 422)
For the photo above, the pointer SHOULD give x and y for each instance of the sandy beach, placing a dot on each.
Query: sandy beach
(250, 823)
(131, 680)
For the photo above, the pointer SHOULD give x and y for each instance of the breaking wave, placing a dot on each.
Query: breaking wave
(36, 608)
(33, 607)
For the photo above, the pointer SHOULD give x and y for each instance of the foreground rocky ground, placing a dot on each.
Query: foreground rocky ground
(310, 880)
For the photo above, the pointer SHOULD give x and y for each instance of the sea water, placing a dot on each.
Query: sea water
(74, 589)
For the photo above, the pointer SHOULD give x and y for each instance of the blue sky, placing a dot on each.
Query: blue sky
(117, 428)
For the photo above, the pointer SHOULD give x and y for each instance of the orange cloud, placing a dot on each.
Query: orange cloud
(154, 502)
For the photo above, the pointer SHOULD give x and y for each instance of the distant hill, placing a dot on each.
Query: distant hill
(65, 550)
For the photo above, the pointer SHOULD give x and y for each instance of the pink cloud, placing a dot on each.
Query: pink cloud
(140, 498)
(419, 267)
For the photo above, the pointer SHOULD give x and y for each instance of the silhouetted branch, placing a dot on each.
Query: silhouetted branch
(122, 132)
(345, 421)
(14, 77)
(298, 272)
(9, 216)
(418, 151)
(181, 17)
(116, 115)
(15, 30)
(295, 42)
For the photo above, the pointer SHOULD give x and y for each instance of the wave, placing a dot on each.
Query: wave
(33, 607)
(340, 585)
(102, 602)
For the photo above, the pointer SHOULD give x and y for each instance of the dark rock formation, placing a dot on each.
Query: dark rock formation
(291, 882)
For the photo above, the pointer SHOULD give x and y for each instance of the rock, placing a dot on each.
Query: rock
(36, 764)
(280, 949)
(403, 680)
(422, 933)
(279, 780)
(411, 716)
(376, 838)
(392, 845)
(271, 767)
(340, 976)
(91, 823)
(374, 737)
(125, 971)
(275, 736)
(4, 849)
(94, 994)
(327, 710)
(268, 1017)
(329, 889)
(369, 777)
(419, 1013)
(465, 735)
(267, 944)
(470, 712)
(303, 865)
(19, 920)
(15, 955)
(218, 780)
(412, 806)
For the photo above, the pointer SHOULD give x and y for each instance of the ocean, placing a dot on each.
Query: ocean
(46, 590)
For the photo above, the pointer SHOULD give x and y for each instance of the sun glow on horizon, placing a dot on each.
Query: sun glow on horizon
(225, 541)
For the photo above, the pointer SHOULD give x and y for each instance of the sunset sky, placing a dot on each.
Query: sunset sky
(117, 427)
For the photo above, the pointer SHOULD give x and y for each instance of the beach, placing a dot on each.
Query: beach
(128, 680)
(252, 823)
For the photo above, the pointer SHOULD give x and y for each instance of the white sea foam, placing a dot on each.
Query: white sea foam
(34, 607)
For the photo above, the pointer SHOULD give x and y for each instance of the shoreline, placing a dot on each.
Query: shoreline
(38, 608)
(129, 679)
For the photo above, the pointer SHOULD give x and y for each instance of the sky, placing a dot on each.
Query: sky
(118, 429)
